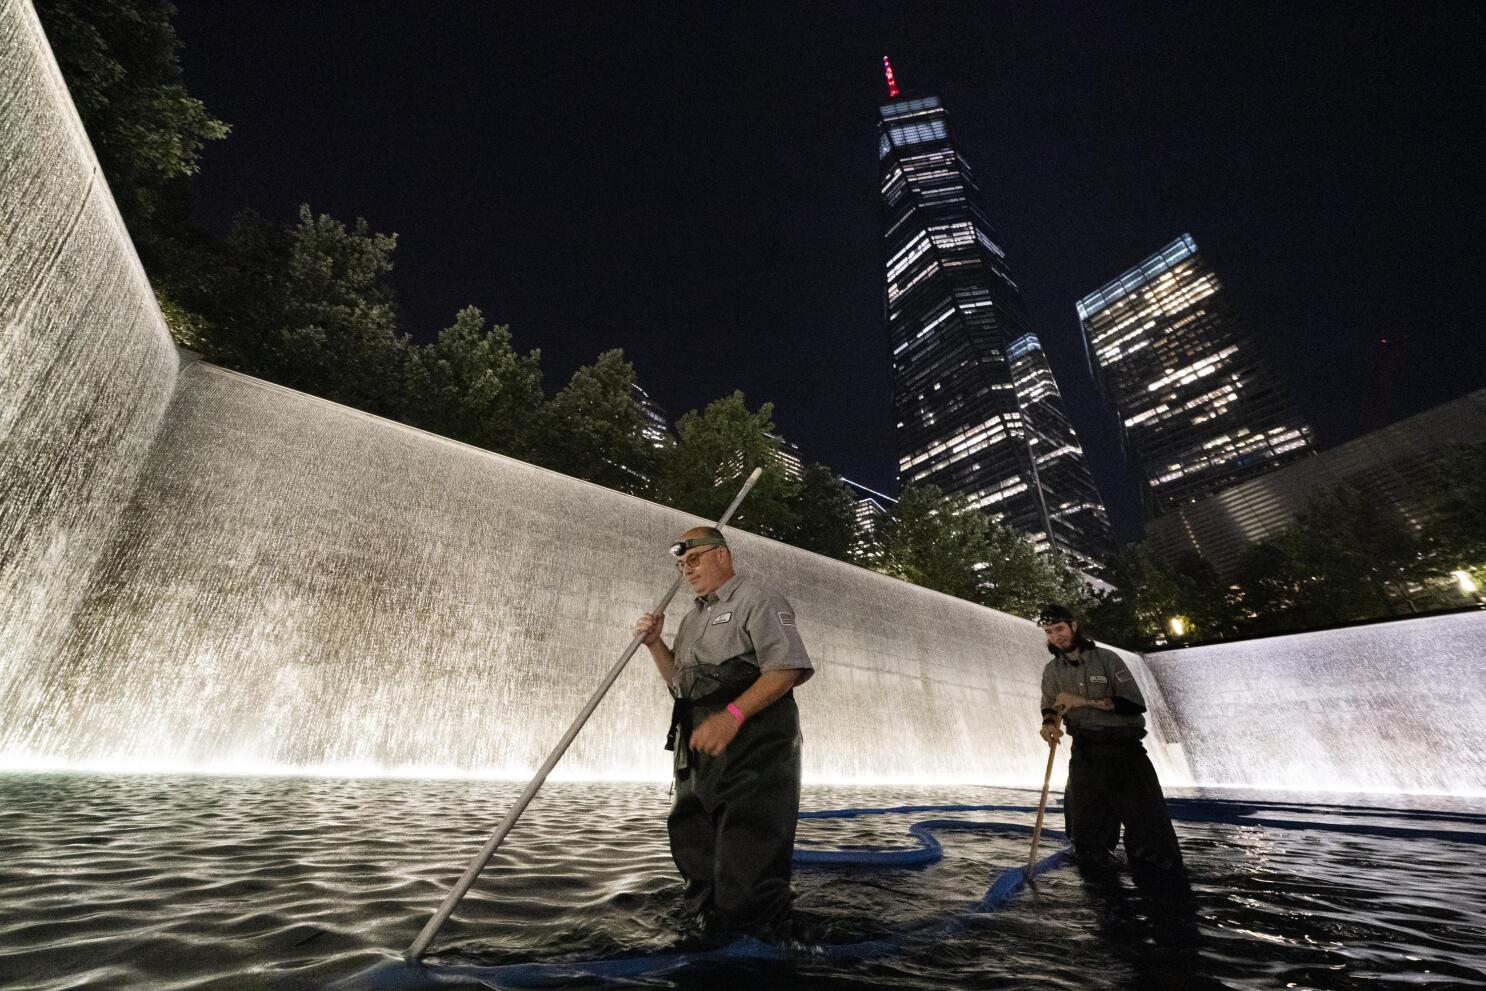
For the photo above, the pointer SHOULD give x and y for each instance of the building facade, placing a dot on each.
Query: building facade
(657, 428)
(871, 506)
(978, 413)
(1198, 408)
(1389, 465)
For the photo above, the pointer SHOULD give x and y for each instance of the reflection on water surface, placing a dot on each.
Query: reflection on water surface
(287, 883)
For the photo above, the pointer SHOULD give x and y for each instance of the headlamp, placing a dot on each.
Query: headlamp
(682, 546)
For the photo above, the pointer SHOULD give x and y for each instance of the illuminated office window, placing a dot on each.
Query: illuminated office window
(1200, 410)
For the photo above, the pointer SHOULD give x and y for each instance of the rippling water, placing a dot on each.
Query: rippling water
(175, 883)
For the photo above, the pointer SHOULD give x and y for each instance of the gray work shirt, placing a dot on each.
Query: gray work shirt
(1095, 673)
(742, 618)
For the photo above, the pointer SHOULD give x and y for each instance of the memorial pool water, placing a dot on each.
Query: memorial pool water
(177, 882)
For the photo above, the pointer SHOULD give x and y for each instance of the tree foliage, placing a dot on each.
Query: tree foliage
(121, 61)
(594, 430)
(715, 450)
(932, 540)
(472, 385)
(1349, 556)
(1149, 593)
(1455, 490)
(1019, 580)
(826, 515)
(935, 540)
(310, 307)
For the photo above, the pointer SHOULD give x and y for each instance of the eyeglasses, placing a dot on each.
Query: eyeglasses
(690, 561)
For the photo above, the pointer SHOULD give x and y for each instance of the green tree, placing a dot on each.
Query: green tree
(121, 61)
(1149, 593)
(473, 386)
(594, 430)
(1018, 580)
(715, 449)
(932, 540)
(1348, 556)
(1360, 557)
(935, 540)
(1204, 603)
(1273, 594)
(826, 510)
(1456, 529)
(310, 307)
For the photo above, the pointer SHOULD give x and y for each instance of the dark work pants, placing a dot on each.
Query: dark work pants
(732, 823)
(1110, 784)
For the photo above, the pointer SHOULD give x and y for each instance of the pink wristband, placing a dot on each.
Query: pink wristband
(736, 713)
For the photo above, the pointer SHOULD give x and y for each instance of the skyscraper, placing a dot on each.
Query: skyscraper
(978, 411)
(1200, 411)
(657, 428)
(871, 506)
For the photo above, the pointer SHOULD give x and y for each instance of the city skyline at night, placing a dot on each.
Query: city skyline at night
(716, 215)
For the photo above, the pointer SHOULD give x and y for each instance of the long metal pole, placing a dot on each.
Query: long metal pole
(477, 864)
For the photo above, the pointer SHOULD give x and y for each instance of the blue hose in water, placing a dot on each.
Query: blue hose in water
(928, 850)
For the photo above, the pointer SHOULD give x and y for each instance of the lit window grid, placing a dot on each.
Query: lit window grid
(1218, 400)
(970, 280)
(894, 290)
(961, 445)
(1285, 440)
(1161, 298)
(906, 108)
(1138, 276)
(1191, 373)
(909, 254)
(902, 135)
(1146, 312)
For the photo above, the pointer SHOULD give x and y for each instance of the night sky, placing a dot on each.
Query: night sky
(699, 185)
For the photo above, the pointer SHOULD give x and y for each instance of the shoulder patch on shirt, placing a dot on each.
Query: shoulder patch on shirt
(786, 619)
(722, 619)
(1123, 676)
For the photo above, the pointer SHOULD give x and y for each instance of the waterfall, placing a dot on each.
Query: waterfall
(297, 585)
(1383, 707)
(87, 367)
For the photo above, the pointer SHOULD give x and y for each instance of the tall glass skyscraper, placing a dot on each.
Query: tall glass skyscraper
(978, 411)
(1200, 410)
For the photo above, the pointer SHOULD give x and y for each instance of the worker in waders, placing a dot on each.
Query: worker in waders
(735, 733)
(1110, 778)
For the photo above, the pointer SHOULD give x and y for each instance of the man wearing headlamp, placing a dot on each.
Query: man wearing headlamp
(736, 659)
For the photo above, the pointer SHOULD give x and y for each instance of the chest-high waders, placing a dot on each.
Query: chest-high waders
(1112, 782)
(732, 820)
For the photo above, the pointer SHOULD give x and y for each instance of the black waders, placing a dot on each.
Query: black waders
(1114, 783)
(732, 822)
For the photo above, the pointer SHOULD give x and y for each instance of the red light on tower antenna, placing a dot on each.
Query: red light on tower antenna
(892, 84)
